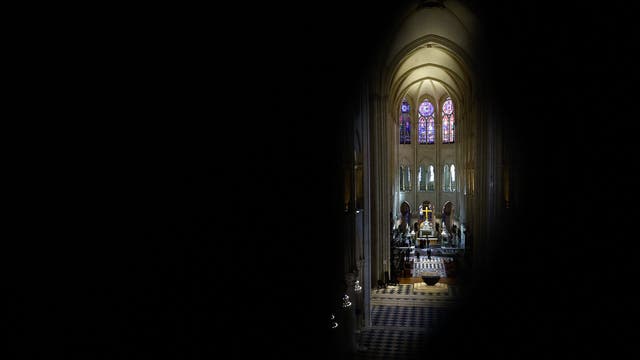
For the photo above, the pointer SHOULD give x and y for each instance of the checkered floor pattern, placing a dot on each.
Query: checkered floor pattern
(416, 317)
(415, 289)
(402, 316)
(392, 344)
(423, 265)
(398, 289)
(416, 295)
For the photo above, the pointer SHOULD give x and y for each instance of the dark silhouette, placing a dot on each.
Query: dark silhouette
(454, 235)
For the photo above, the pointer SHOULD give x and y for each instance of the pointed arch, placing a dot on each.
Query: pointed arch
(453, 178)
(448, 122)
(405, 212)
(405, 122)
(446, 179)
(422, 178)
(425, 216)
(426, 123)
(449, 178)
(405, 178)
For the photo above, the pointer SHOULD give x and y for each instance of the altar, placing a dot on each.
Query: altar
(428, 241)
(426, 225)
(425, 234)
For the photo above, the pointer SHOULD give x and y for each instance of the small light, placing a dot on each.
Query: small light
(356, 287)
(333, 323)
(345, 301)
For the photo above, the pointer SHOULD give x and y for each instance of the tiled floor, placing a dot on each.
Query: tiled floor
(404, 315)
(392, 343)
(424, 265)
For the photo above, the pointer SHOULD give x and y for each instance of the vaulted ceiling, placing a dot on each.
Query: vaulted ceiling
(432, 52)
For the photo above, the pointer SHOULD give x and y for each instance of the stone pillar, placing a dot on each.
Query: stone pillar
(349, 314)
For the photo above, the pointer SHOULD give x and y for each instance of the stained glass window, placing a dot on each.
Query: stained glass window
(426, 127)
(431, 183)
(422, 179)
(431, 130)
(448, 122)
(422, 130)
(405, 123)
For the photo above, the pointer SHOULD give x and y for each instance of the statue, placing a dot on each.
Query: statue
(447, 216)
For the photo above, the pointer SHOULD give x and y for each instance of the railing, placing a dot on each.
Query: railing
(446, 251)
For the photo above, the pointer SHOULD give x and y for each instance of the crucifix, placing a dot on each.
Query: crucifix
(427, 214)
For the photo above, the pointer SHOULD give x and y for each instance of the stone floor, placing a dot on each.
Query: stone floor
(402, 318)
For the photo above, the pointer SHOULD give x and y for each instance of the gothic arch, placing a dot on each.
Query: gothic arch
(422, 98)
(405, 212)
(447, 214)
(412, 106)
(435, 67)
(430, 58)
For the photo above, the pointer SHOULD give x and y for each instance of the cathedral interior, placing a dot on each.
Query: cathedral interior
(396, 180)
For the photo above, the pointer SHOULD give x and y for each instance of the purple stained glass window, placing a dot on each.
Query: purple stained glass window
(422, 130)
(448, 122)
(405, 123)
(426, 133)
(445, 132)
(447, 107)
(426, 108)
(431, 130)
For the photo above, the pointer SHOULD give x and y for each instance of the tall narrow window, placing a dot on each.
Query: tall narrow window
(426, 128)
(446, 179)
(453, 177)
(431, 183)
(448, 122)
(431, 130)
(422, 179)
(422, 130)
(407, 179)
(405, 123)
(401, 178)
